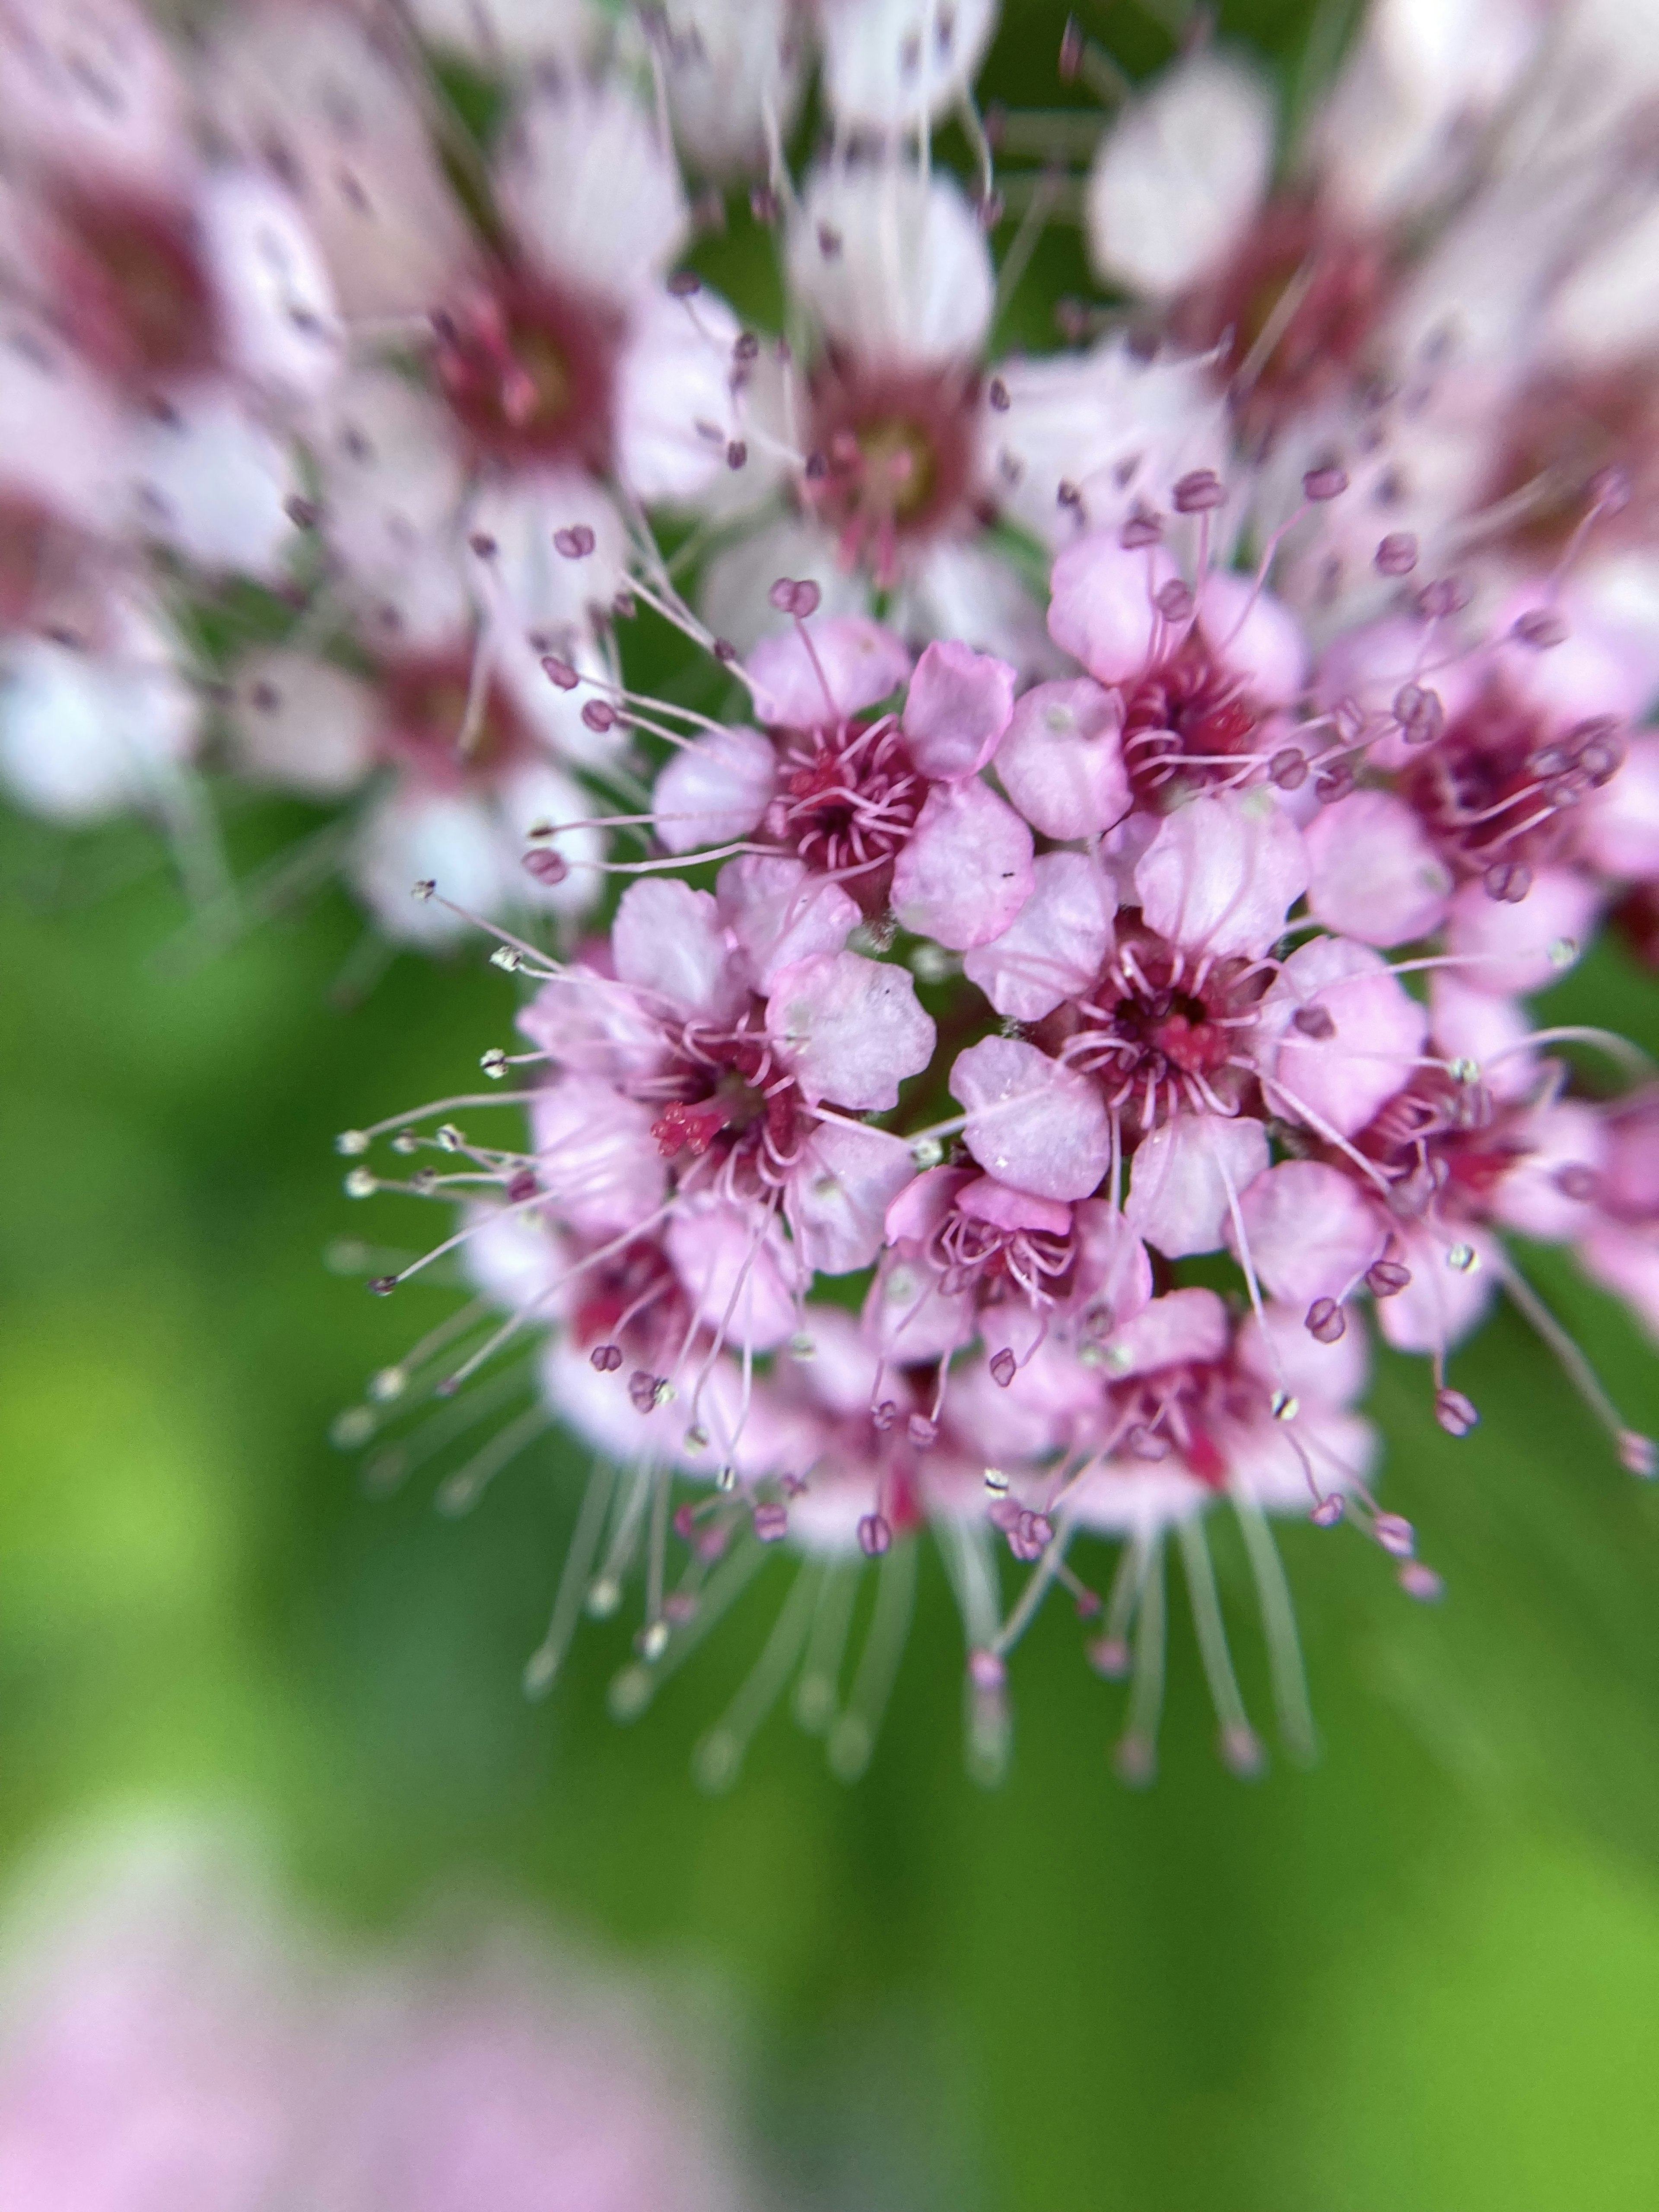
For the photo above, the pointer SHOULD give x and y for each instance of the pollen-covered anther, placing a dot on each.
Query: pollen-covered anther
(362, 1182)
(1457, 1415)
(771, 1523)
(493, 1063)
(1395, 1534)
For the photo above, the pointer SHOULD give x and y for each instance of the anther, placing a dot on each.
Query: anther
(559, 672)
(875, 1535)
(922, 1431)
(684, 283)
(1142, 528)
(1462, 1259)
(507, 958)
(351, 1142)
(424, 889)
(383, 1285)
(362, 1182)
(746, 347)
(882, 1417)
(1447, 595)
(493, 1063)
(1284, 1406)
(603, 1597)
(1321, 484)
(801, 1347)
(1198, 491)
(1316, 1022)
(737, 454)
(1326, 1322)
(1386, 1279)
(575, 542)
(599, 714)
(1507, 881)
(1563, 951)
(1421, 1583)
(1578, 1181)
(1174, 601)
(1241, 1752)
(606, 1358)
(1328, 1511)
(1420, 714)
(483, 545)
(1457, 1414)
(771, 1523)
(1638, 1455)
(986, 1671)
(996, 1482)
(1397, 553)
(1003, 1367)
(449, 1138)
(546, 866)
(1288, 768)
(1395, 1534)
(1540, 627)
(997, 393)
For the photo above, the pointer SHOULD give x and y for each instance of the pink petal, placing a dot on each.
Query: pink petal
(715, 790)
(850, 1028)
(1441, 1304)
(1619, 825)
(1627, 1262)
(1254, 635)
(984, 1199)
(1113, 1273)
(851, 663)
(667, 940)
(1061, 762)
(1182, 1327)
(1373, 873)
(923, 1203)
(1054, 946)
(1031, 1122)
(1377, 1032)
(958, 706)
(1181, 1177)
(595, 1156)
(777, 912)
(1479, 1025)
(1530, 1198)
(736, 1269)
(1526, 947)
(1101, 605)
(966, 872)
(1222, 873)
(1285, 1352)
(839, 1192)
(1311, 1232)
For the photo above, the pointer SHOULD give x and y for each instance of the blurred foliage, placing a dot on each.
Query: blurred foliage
(1421, 1975)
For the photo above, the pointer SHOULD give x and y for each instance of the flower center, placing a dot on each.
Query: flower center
(891, 457)
(1495, 792)
(137, 298)
(734, 1100)
(1185, 724)
(1160, 1032)
(848, 797)
(434, 729)
(528, 368)
(1292, 313)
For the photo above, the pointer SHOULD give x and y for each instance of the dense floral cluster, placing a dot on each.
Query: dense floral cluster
(1135, 790)
(170, 2034)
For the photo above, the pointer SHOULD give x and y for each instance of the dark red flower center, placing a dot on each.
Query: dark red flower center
(891, 456)
(529, 368)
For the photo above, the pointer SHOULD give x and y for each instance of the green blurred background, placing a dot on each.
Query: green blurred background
(1423, 1975)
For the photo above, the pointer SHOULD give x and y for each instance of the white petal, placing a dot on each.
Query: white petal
(273, 290)
(593, 195)
(889, 64)
(301, 724)
(892, 264)
(1178, 181)
(213, 483)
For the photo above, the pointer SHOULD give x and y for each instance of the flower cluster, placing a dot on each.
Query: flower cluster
(169, 2035)
(1084, 882)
